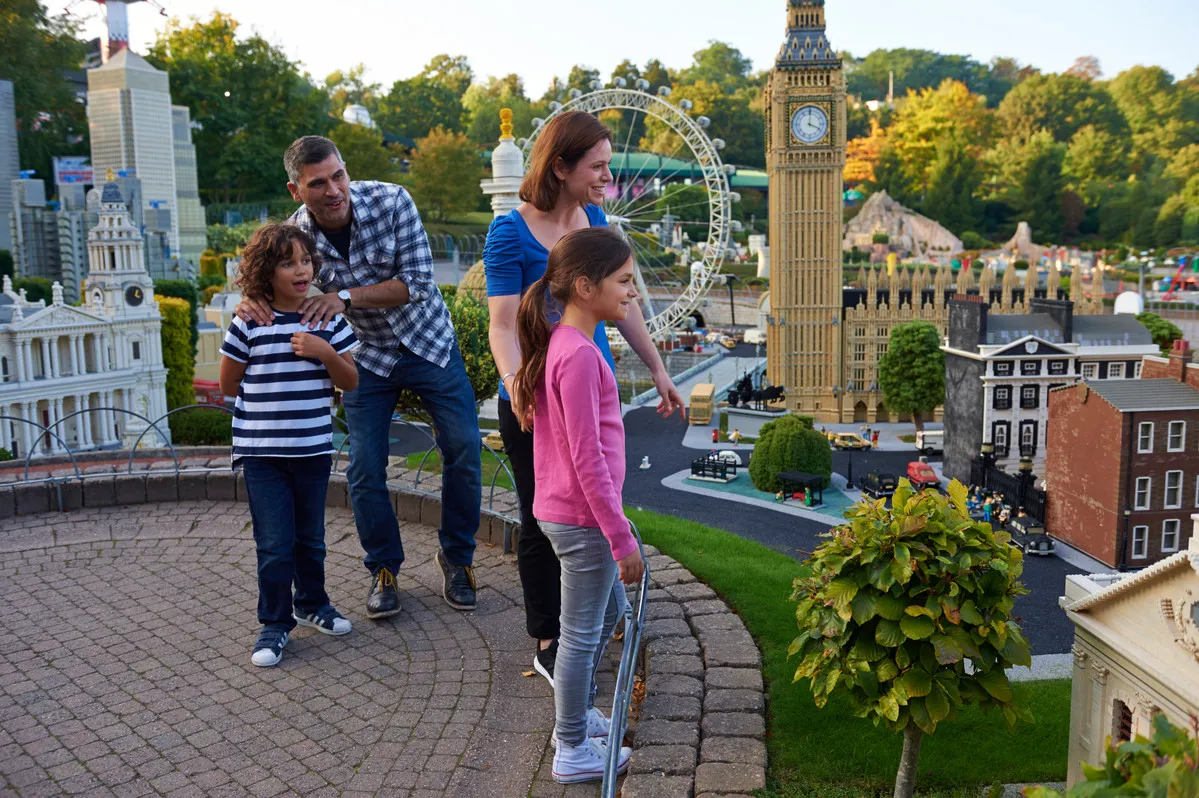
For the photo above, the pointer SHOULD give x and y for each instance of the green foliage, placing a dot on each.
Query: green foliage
(365, 154)
(1041, 192)
(249, 99)
(1166, 766)
(227, 239)
(415, 106)
(35, 48)
(208, 292)
(5, 455)
(923, 69)
(6, 265)
(880, 238)
(445, 173)
(205, 281)
(973, 240)
(953, 182)
(483, 101)
(1161, 112)
(1167, 229)
(1164, 331)
(912, 373)
(36, 288)
(1061, 105)
(789, 444)
(178, 354)
(471, 322)
(899, 600)
(182, 289)
(201, 427)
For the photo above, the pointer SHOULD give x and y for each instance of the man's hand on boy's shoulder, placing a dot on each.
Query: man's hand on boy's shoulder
(255, 310)
(320, 310)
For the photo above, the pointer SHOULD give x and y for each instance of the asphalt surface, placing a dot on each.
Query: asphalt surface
(1044, 623)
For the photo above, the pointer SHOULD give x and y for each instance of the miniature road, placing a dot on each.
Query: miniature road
(124, 669)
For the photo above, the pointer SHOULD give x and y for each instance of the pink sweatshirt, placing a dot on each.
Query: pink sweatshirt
(578, 441)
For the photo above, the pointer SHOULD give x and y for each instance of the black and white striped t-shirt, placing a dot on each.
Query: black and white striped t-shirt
(283, 403)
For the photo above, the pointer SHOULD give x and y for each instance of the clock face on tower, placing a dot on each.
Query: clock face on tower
(134, 296)
(809, 124)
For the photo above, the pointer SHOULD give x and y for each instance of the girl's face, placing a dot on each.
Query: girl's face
(586, 182)
(293, 276)
(610, 300)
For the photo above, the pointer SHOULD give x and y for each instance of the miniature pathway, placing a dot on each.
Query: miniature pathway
(124, 669)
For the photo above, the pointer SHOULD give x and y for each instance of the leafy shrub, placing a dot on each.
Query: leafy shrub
(185, 290)
(35, 288)
(201, 427)
(897, 603)
(208, 293)
(6, 266)
(973, 240)
(1164, 331)
(208, 280)
(881, 238)
(5, 454)
(788, 444)
(1166, 766)
(177, 355)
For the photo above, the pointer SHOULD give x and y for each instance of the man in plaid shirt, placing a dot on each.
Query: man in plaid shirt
(377, 271)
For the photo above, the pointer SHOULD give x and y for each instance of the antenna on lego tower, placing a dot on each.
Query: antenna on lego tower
(116, 15)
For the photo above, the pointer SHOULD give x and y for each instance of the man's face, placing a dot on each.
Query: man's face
(325, 188)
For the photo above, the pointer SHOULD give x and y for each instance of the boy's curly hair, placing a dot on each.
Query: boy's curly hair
(270, 245)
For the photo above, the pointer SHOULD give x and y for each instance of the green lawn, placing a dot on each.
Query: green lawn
(491, 464)
(828, 752)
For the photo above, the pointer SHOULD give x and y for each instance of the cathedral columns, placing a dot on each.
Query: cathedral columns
(20, 359)
(47, 367)
(29, 413)
(28, 347)
(73, 347)
(96, 361)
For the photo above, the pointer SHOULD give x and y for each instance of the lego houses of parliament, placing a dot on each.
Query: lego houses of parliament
(824, 340)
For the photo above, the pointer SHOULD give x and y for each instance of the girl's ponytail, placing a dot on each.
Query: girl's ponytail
(533, 332)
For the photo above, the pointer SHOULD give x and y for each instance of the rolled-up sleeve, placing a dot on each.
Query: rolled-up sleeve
(503, 259)
(414, 260)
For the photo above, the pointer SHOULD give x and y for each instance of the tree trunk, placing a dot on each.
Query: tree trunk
(905, 780)
(918, 421)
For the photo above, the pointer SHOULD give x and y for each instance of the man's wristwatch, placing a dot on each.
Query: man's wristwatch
(344, 296)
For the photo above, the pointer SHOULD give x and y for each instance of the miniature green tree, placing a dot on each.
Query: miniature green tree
(908, 610)
(1166, 766)
(912, 373)
(789, 443)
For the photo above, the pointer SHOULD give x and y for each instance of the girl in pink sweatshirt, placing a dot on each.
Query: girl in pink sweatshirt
(573, 406)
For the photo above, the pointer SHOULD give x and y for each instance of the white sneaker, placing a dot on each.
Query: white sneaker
(598, 727)
(573, 764)
(328, 621)
(268, 649)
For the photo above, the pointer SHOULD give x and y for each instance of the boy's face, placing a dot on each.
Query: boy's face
(293, 276)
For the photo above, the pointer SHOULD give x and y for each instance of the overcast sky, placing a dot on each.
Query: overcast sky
(539, 39)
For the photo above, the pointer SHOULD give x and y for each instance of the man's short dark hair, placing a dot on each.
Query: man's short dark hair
(305, 151)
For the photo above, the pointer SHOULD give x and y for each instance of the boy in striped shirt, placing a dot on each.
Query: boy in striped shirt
(283, 376)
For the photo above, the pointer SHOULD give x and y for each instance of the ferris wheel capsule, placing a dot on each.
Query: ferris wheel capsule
(619, 83)
(642, 84)
(729, 169)
(663, 91)
(736, 226)
(734, 196)
(596, 84)
(575, 94)
(555, 106)
(521, 143)
(718, 143)
(685, 105)
(537, 122)
(703, 122)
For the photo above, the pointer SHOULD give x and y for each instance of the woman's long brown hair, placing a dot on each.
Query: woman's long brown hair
(567, 137)
(594, 253)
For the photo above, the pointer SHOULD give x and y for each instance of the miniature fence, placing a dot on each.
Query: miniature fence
(510, 516)
(467, 249)
(1017, 491)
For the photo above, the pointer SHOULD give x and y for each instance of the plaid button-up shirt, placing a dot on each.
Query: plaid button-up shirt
(387, 242)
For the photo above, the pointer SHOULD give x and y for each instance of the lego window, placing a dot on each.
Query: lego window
(1028, 437)
(1090, 371)
(1136, 371)
(1170, 535)
(1141, 499)
(1173, 497)
(1002, 398)
(1029, 396)
(1176, 440)
(1030, 367)
(1115, 371)
(3, 369)
(1145, 437)
(999, 437)
(137, 350)
(1002, 368)
(1057, 367)
(1140, 543)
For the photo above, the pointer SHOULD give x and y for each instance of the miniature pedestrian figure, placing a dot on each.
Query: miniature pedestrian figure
(987, 511)
(874, 439)
(644, 462)
(282, 436)
(1004, 515)
(579, 465)
(735, 437)
(715, 436)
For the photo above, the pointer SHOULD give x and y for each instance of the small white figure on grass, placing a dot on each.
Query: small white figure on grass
(644, 462)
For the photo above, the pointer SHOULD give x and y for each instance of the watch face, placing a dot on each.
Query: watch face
(134, 296)
(809, 124)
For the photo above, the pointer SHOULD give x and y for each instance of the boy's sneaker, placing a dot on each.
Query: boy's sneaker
(544, 660)
(383, 600)
(585, 762)
(328, 620)
(268, 649)
(598, 727)
(457, 583)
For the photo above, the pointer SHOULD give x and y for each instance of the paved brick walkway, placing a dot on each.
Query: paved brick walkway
(124, 669)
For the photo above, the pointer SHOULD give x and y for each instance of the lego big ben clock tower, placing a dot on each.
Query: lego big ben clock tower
(805, 156)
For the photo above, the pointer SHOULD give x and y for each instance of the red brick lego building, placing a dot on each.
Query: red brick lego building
(1122, 462)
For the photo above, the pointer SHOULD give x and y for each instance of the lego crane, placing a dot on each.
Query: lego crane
(117, 21)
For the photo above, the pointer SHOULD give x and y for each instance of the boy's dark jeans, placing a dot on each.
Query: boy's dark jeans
(287, 506)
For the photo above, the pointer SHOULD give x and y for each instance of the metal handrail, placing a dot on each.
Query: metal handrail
(625, 677)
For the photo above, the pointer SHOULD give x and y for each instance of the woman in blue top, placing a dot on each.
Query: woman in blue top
(562, 192)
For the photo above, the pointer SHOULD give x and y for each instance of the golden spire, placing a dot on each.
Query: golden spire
(111, 177)
(505, 123)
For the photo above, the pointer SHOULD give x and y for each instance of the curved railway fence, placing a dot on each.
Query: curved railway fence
(64, 476)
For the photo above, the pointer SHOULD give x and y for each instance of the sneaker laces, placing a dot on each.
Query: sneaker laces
(469, 572)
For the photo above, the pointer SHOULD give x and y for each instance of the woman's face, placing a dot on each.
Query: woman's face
(586, 182)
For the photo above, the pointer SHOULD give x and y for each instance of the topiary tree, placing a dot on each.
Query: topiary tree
(789, 444)
(1164, 331)
(177, 353)
(897, 604)
(912, 373)
(185, 290)
(1164, 767)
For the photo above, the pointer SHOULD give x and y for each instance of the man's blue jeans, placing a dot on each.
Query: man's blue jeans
(447, 395)
(287, 506)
